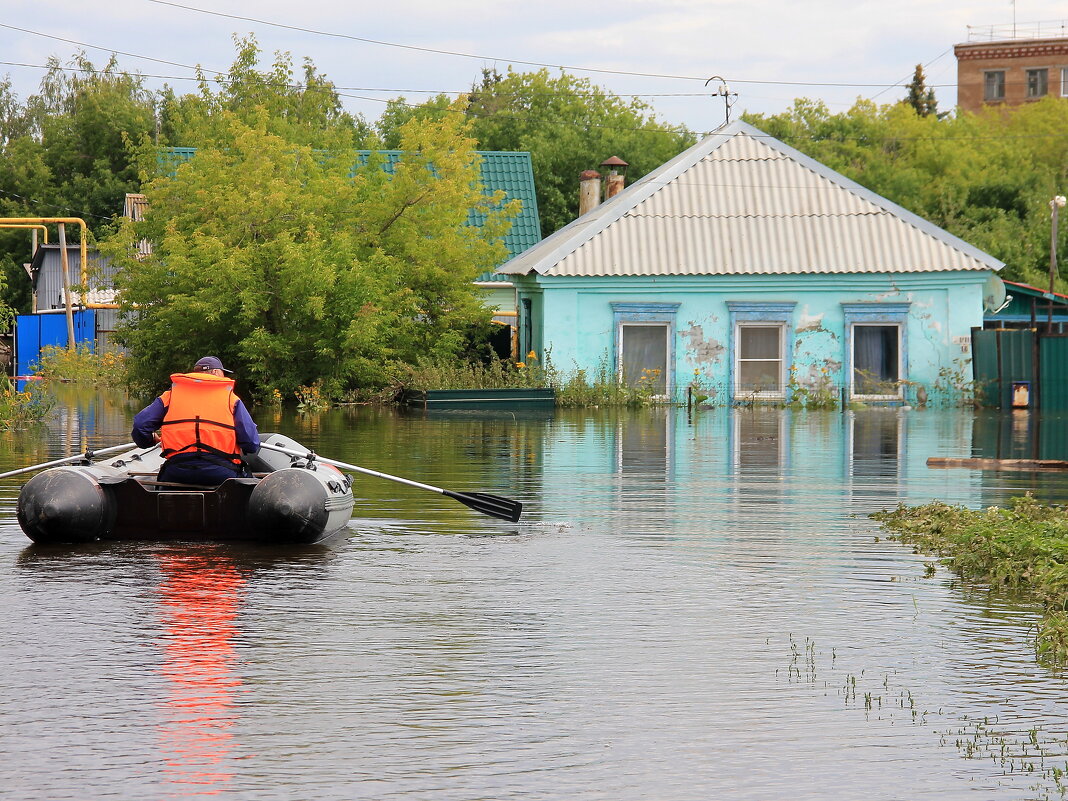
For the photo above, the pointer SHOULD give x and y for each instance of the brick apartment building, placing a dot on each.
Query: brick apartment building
(1012, 65)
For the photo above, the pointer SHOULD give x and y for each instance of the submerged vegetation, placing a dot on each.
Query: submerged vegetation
(20, 409)
(1021, 550)
(573, 389)
(81, 364)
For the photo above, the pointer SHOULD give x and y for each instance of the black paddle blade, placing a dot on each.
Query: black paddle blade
(492, 505)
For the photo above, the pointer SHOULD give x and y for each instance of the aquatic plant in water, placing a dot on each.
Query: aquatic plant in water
(1021, 550)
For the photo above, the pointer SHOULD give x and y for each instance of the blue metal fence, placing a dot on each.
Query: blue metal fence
(35, 331)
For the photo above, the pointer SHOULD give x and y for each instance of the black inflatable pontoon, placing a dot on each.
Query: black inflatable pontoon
(288, 500)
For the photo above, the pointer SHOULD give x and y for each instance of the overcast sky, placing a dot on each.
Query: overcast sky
(768, 52)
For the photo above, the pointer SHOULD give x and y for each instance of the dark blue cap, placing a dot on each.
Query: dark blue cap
(210, 363)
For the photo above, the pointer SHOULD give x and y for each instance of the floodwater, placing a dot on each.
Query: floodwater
(692, 608)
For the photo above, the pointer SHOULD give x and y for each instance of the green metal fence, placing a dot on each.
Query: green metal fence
(1020, 368)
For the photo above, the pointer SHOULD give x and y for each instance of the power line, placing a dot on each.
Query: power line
(516, 116)
(306, 87)
(33, 202)
(106, 49)
(570, 68)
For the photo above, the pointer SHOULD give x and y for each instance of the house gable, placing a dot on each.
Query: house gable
(741, 202)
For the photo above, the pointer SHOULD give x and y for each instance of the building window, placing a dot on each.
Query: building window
(876, 360)
(1037, 82)
(876, 349)
(643, 349)
(760, 362)
(759, 346)
(645, 345)
(1064, 81)
(994, 85)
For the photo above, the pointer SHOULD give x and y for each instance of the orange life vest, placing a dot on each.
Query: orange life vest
(200, 416)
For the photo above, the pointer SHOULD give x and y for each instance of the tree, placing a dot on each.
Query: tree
(308, 112)
(64, 154)
(272, 255)
(567, 124)
(919, 96)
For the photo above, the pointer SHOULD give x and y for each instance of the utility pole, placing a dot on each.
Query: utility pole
(1055, 206)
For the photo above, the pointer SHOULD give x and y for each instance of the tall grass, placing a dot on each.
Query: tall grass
(574, 389)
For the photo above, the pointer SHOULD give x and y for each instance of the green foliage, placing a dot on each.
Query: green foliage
(920, 97)
(304, 109)
(820, 394)
(20, 409)
(310, 399)
(81, 365)
(64, 153)
(292, 266)
(577, 389)
(428, 374)
(580, 389)
(1019, 550)
(987, 177)
(568, 125)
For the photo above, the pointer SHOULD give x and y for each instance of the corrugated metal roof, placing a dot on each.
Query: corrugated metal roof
(742, 202)
(47, 271)
(511, 172)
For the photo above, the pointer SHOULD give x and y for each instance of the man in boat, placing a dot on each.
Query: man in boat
(201, 425)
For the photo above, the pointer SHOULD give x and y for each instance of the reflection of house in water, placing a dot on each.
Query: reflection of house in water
(876, 442)
(875, 453)
(759, 453)
(644, 444)
(644, 465)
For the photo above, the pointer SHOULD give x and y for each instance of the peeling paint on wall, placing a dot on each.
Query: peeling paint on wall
(701, 350)
(810, 323)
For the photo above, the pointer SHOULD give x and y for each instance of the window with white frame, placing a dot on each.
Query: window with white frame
(876, 360)
(760, 360)
(645, 345)
(1037, 82)
(1064, 81)
(643, 354)
(876, 349)
(994, 85)
(760, 357)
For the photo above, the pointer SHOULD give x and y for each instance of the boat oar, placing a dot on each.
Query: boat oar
(80, 456)
(492, 505)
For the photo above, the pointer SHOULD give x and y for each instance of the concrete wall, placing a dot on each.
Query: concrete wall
(576, 322)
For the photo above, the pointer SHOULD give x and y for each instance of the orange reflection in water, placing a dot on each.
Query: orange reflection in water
(199, 599)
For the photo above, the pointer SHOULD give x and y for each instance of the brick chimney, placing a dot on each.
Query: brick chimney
(617, 170)
(589, 190)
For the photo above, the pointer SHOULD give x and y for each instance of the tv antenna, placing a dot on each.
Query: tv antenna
(725, 92)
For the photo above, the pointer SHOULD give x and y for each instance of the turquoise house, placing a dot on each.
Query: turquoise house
(748, 272)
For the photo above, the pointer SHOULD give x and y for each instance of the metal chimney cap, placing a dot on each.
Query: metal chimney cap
(586, 175)
(614, 161)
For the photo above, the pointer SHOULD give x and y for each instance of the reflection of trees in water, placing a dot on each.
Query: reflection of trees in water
(198, 601)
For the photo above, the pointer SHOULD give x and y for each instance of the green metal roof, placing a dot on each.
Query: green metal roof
(1025, 299)
(511, 172)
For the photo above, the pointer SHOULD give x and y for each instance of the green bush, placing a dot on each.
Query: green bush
(81, 364)
(19, 409)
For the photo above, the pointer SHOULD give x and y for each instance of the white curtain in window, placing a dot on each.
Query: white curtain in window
(644, 349)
